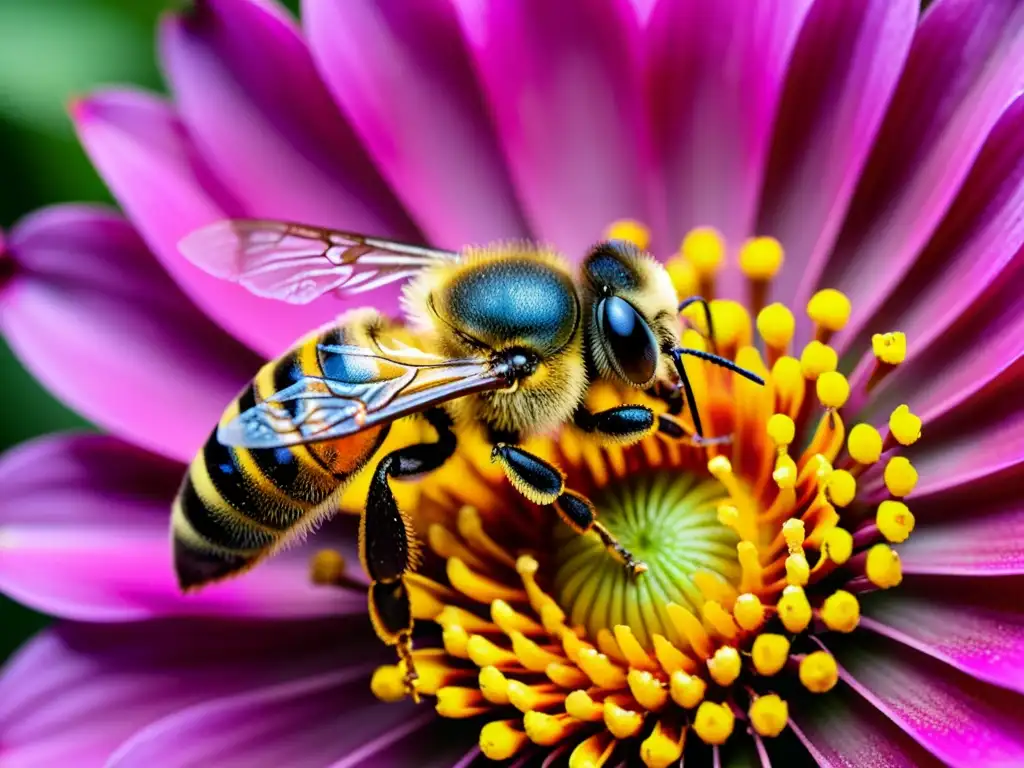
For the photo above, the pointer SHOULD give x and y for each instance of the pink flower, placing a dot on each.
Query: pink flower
(884, 150)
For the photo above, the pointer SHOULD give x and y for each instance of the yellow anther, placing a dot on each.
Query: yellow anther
(484, 653)
(593, 752)
(841, 611)
(842, 487)
(631, 231)
(793, 532)
(529, 697)
(500, 740)
(785, 473)
(798, 571)
(837, 545)
(631, 650)
(724, 667)
(750, 565)
(531, 655)
(905, 426)
(704, 247)
(388, 683)
(663, 747)
(567, 676)
(601, 670)
(895, 521)
(683, 276)
(548, 730)
(829, 309)
(456, 641)
(749, 611)
(452, 615)
(686, 690)
(900, 476)
(690, 627)
(882, 566)
(794, 610)
(816, 359)
(583, 708)
(458, 703)
(647, 689)
(713, 722)
(327, 566)
(719, 619)
(769, 715)
(818, 672)
(890, 348)
(719, 467)
(669, 657)
(833, 389)
(622, 723)
(781, 429)
(509, 620)
(477, 586)
(493, 685)
(728, 516)
(776, 325)
(864, 444)
(761, 258)
(769, 653)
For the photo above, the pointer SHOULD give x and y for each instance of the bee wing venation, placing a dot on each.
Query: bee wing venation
(298, 263)
(361, 396)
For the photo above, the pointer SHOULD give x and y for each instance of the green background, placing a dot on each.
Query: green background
(50, 51)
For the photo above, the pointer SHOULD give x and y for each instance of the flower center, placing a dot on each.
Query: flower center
(669, 520)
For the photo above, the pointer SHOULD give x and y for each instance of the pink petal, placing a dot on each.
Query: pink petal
(93, 316)
(973, 625)
(715, 81)
(958, 719)
(965, 65)
(307, 722)
(844, 70)
(84, 534)
(248, 92)
(989, 541)
(76, 692)
(145, 156)
(563, 83)
(841, 730)
(402, 73)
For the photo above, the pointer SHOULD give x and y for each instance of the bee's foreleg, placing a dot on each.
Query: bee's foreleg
(543, 483)
(387, 545)
(623, 425)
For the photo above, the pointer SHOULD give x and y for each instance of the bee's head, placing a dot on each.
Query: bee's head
(629, 307)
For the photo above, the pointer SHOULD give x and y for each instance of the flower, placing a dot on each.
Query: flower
(846, 178)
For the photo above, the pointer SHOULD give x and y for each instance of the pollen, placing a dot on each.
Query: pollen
(704, 248)
(630, 231)
(794, 609)
(905, 426)
(882, 566)
(769, 715)
(687, 690)
(761, 258)
(841, 611)
(769, 654)
(829, 309)
(864, 444)
(781, 429)
(889, 348)
(818, 672)
(776, 325)
(725, 665)
(816, 359)
(749, 611)
(833, 389)
(714, 722)
(900, 476)
(895, 521)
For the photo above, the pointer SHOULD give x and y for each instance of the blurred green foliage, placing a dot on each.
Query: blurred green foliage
(50, 51)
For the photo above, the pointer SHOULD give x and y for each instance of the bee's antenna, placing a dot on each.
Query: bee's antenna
(718, 360)
(707, 317)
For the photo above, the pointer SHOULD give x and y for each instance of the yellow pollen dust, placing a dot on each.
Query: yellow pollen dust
(890, 348)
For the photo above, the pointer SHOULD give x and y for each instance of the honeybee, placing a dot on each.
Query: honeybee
(504, 338)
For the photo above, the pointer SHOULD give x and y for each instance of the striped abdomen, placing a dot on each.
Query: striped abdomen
(237, 505)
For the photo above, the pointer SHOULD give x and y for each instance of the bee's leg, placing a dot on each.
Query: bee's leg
(624, 424)
(387, 546)
(670, 427)
(543, 483)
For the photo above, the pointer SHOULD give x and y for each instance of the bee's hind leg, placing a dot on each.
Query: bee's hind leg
(543, 483)
(387, 545)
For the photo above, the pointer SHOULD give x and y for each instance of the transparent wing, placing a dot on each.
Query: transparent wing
(297, 263)
(366, 387)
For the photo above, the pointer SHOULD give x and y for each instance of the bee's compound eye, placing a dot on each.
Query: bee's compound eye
(628, 340)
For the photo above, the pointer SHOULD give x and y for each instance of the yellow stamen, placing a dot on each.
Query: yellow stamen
(459, 703)
(830, 311)
(713, 722)
(882, 566)
(816, 359)
(452, 615)
(622, 723)
(905, 426)
(833, 389)
(704, 248)
(671, 658)
(864, 444)
(500, 739)
(566, 676)
(471, 528)
(798, 570)
(837, 545)
(647, 690)
(593, 752)
(788, 382)
(484, 653)
(818, 672)
(761, 258)
(776, 325)
(664, 746)
(720, 619)
(684, 277)
(769, 715)
(388, 683)
(583, 708)
(456, 641)
(895, 521)
(493, 685)
(509, 620)
(479, 587)
(526, 698)
(686, 690)
(749, 611)
(750, 566)
(601, 670)
(690, 627)
(841, 611)
(633, 653)
(781, 430)
(725, 665)
(548, 730)
(631, 231)
(841, 488)
(531, 655)
(769, 653)
(794, 609)
(900, 476)
(889, 348)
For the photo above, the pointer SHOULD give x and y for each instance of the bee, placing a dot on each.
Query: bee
(505, 339)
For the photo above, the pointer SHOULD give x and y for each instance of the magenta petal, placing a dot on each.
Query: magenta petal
(563, 82)
(841, 730)
(84, 534)
(987, 542)
(845, 66)
(958, 719)
(715, 82)
(76, 692)
(145, 156)
(965, 65)
(402, 73)
(975, 625)
(92, 315)
(308, 722)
